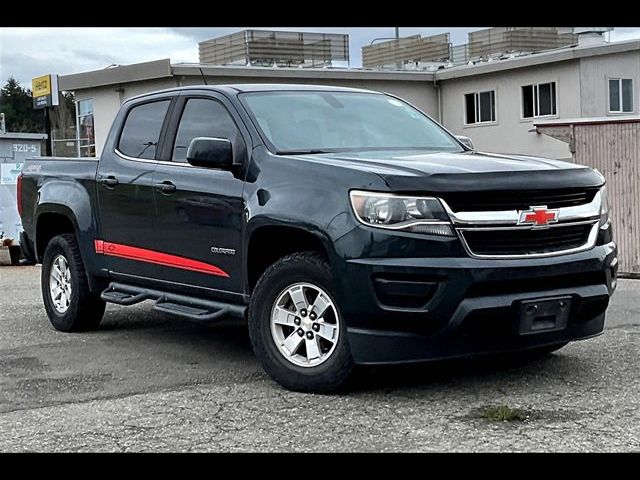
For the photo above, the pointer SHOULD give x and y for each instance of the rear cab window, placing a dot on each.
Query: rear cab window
(141, 130)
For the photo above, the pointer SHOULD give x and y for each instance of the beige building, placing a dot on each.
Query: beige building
(495, 103)
(570, 82)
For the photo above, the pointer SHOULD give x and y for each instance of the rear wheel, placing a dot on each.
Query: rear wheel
(69, 303)
(295, 325)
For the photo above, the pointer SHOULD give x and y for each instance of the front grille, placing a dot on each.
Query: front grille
(526, 241)
(518, 200)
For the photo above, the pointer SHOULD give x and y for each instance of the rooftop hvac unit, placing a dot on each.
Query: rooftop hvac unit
(407, 50)
(500, 40)
(269, 48)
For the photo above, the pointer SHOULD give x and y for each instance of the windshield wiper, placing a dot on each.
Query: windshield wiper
(302, 152)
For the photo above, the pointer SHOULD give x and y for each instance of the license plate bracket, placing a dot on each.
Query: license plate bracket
(543, 315)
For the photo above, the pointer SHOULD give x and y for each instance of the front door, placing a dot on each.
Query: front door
(125, 190)
(199, 211)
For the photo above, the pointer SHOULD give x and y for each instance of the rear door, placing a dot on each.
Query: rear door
(125, 189)
(199, 211)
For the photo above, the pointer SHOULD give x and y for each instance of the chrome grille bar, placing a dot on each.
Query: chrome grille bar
(587, 211)
(507, 220)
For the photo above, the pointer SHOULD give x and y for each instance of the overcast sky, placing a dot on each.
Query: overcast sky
(29, 52)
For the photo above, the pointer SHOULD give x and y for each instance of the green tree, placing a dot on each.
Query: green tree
(17, 105)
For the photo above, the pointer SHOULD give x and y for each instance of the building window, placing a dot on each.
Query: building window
(480, 107)
(539, 100)
(85, 133)
(620, 95)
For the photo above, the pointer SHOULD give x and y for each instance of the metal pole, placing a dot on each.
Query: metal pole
(399, 64)
(47, 129)
(78, 130)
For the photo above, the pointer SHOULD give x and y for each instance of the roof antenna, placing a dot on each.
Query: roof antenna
(204, 79)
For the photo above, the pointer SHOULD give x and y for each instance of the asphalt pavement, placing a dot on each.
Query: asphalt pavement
(147, 381)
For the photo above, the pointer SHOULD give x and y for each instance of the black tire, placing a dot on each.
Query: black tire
(16, 255)
(326, 377)
(85, 309)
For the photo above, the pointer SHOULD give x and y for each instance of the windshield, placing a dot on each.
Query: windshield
(321, 121)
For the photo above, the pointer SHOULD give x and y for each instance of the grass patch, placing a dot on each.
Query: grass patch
(502, 413)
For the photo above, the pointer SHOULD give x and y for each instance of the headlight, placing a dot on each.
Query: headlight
(604, 207)
(395, 212)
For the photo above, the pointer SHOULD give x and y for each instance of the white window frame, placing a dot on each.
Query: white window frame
(476, 102)
(78, 123)
(620, 101)
(536, 106)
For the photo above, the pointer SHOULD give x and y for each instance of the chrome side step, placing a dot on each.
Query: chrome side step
(182, 305)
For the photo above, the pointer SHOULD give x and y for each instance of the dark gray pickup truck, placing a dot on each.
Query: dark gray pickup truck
(345, 225)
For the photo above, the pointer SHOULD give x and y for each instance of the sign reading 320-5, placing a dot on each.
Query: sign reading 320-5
(45, 91)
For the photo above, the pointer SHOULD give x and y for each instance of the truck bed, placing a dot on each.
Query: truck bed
(59, 177)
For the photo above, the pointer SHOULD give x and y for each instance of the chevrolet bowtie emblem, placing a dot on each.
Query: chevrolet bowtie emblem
(538, 216)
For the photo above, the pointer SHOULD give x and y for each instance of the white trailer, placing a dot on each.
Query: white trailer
(14, 149)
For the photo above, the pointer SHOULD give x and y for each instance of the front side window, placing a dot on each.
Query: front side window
(539, 100)
(480, 107)
(85, 132)
(332, 121)
(141, 130)
(620, 95)
(202, 118)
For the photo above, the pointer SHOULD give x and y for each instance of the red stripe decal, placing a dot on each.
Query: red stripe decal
(158, 258)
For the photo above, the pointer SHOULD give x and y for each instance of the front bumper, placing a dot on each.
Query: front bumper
(473, 306)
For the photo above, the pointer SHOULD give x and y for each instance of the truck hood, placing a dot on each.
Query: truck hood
(442, 171)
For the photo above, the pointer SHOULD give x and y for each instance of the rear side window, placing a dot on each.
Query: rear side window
(141, 130)
(202, 118)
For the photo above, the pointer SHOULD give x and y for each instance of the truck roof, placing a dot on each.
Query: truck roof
(257, 87)
(279, 87)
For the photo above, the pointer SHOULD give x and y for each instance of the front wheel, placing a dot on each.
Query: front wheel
(295, 325)
(69, 303)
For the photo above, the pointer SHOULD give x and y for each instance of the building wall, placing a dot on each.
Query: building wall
(107, 100)
(582, 91)
(594, 81)
(105, 106)
(510, 133)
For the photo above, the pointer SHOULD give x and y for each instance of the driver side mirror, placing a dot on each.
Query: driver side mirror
(210, 153)
(466, 141)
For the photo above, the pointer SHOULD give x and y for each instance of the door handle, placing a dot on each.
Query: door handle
(109, 181)
(166, 187)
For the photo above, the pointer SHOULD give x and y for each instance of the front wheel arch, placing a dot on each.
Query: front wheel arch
(326, 376)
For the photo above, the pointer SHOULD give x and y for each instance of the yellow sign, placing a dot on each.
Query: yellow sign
(41, 86)
(44, 90)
